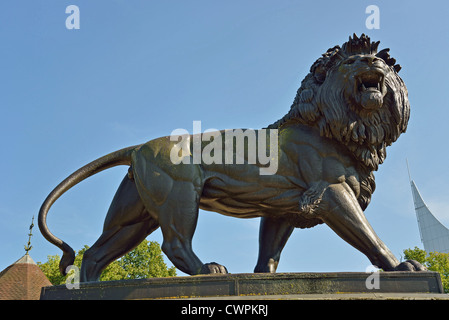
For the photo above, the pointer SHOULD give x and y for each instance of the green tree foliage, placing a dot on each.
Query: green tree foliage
(51, 270)
(145, 261)
(433, 261)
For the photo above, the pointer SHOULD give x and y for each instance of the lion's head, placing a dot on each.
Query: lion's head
(354, 94)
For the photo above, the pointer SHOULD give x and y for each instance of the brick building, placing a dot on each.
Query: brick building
(22, 280)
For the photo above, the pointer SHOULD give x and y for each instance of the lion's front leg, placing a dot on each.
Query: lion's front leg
(178, 218)
(342, 213)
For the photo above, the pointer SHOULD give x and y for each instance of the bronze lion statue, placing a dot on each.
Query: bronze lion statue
(349, 108)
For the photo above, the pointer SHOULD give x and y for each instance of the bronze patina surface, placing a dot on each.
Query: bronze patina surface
(349, 108)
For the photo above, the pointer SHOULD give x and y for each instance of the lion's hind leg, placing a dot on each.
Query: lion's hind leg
(126, 225)
(273, 235)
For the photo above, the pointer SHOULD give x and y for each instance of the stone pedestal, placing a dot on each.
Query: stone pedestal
(255, 286)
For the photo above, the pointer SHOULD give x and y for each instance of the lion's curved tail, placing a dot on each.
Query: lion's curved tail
(120, 157)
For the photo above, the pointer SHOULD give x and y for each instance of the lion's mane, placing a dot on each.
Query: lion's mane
(322, 103)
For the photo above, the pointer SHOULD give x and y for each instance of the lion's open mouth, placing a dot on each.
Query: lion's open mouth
(370, 89)
(370, 81)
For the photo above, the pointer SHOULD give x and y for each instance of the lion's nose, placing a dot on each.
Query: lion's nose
(369, 59)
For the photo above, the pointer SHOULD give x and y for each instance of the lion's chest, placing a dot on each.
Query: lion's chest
(318, 159)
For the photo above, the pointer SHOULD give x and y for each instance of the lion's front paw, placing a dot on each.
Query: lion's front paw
(213, 267)
(410, 265)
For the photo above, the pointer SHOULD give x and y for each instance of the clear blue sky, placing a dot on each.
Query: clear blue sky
(136, 70)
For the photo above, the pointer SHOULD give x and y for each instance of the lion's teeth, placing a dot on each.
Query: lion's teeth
(363, 87)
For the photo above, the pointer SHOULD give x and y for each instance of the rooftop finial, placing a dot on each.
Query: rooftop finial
(29, 246)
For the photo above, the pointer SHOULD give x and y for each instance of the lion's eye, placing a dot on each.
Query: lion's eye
(349, 61)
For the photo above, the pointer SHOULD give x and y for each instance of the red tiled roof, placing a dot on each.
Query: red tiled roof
(22, 280)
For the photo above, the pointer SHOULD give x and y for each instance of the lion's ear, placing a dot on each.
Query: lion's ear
(306, 96)
(385, 55)
(319, 73)
(305, 107)
(308, 111)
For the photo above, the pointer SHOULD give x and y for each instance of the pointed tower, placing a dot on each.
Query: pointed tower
(23, 280)
(434, 235)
